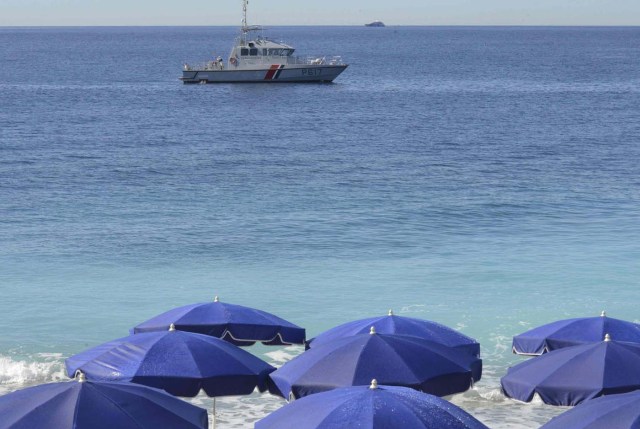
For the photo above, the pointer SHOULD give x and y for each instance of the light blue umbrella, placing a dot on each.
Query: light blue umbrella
(575, 374)
(239, 325)
(370, 407)
(609, 412)
(400, 325)
(87, 405)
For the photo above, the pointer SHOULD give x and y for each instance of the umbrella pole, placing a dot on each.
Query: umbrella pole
(214, 412)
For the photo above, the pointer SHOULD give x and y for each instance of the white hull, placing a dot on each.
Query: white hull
(283, 73)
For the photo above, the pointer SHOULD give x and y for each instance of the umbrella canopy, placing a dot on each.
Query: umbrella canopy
(575, 374)
(392, 324)
(615, 411)
(397, 360)
(182, 363)
(242, 326)
(573, 332)
(370, 407)
(88, 405)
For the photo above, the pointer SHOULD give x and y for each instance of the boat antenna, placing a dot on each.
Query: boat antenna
(244, 14)
(246, 28)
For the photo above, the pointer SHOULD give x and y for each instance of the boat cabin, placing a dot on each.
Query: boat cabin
(260, 51)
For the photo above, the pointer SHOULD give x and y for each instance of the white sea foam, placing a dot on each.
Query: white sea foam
(498, 346)
(239, 411)
(279, 357)
(414, 308)
(485, 401)
(42, 368)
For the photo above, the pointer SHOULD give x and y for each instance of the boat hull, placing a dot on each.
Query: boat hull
(273, 74)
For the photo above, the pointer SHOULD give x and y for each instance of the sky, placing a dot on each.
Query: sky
(322, 12)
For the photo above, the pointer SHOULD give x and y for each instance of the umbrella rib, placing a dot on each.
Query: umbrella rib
(460, 367)
(194, 360)
(207, 342)
(132, 418)
(77, 406)
(395, 353)
(119, 408)
(536, 386)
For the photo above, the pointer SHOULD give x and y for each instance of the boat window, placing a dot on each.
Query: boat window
(275, 51)
(264, 51)
(253, 51)
(285, 52)
(244, 52)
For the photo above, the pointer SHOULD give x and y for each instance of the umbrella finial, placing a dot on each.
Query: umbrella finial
(390, 312)
(603, 314)
(80, 376)
(374, 384)
(216, 299)
(607, 338)
(372, 331)
(172, 327)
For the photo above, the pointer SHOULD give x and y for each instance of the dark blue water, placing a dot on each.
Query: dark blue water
(487, 178)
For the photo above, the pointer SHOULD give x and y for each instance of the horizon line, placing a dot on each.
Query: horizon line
(327, 25)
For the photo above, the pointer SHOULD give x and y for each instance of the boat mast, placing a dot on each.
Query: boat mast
(245, 27)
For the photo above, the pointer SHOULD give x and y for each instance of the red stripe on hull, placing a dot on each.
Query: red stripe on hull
(272, 71)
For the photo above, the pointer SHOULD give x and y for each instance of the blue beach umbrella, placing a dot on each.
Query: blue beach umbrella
(182, 363)
(575, 374)
(370, 407)
(608, 412)
(573, 332)
(242, 326)
(88, 405)
(399, 325)
(396, 360)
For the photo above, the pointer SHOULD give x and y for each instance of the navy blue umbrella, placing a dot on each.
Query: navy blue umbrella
(609, 412)
(182, 363)
(397, 360)
(573, 332)
(242, 326)
(400, 325)
(88, 405)
(575, 374)
(370, 407)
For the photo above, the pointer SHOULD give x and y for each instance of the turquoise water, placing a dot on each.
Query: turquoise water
(484, 178)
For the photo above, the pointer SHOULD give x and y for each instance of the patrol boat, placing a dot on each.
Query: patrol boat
(259, 59)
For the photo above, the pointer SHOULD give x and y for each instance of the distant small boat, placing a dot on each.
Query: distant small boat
(375, 24)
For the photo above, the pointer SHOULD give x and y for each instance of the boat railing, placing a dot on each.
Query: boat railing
(310, 60)
(208, 66)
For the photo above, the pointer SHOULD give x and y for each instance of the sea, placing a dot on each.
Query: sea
(486, 178)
